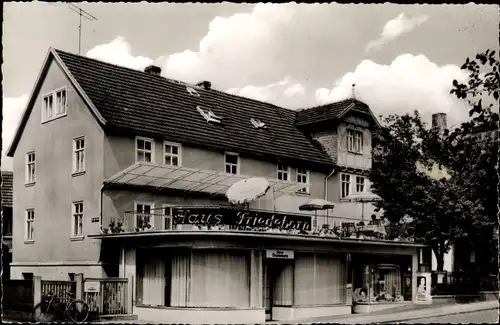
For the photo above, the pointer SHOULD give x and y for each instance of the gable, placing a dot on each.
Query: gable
(50, 59)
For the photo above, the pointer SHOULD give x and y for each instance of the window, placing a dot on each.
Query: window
(360, 184)
(192, 92)
(346, 185)
(209, 115)
(257, 123)
(354, 141)
(54, 105)
(61, 102)
(30, 168)
(172, 154)
(28, 276)
(144, 150)
(303, 178)
(143, 218)
(283, 172)
(30, 225)
(201, 278)
(167, 217)
(77, 220)
(48, 106)
(231, 163)
(78, 155)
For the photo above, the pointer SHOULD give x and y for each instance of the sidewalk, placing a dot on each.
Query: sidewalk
(402, 314)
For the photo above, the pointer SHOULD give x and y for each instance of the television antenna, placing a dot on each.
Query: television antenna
(84, 14)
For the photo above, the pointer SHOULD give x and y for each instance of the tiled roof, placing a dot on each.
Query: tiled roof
(7, 188)
(329, 111)
(151, 105)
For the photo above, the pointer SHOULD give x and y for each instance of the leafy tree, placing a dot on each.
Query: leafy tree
(432, 205)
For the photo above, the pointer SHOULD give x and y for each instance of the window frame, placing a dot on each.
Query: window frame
(74, 214)
(137, 138)
(306, 174)
(227, 153)
(55, 108)
(342, 185)
(75, 154)
(178, 155)
(288, 172)
(27, 179)
(351, 140)
(151, 213)
(164, 215)
(356, 184)
(29, 225)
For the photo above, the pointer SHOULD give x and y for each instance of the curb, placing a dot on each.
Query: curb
(437, 315)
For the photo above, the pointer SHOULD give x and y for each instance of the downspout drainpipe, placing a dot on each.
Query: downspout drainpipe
(326, 189)
(100, 207)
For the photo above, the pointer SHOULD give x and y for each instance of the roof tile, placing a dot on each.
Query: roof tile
(154, 105)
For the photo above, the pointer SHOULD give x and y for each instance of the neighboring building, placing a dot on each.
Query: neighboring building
(101, 145)
(6, 223)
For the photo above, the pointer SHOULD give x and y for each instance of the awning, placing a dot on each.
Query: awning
(190, 179)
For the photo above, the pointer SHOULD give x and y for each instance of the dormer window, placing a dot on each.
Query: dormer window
(209, 115)
(258, 123)
(192, 91)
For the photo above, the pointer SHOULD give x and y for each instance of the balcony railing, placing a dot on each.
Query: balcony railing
(322, 226)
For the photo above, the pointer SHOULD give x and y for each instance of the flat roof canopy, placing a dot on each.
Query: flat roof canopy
(190, 179)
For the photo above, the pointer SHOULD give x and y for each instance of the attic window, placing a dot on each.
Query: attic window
(258, 123)
(209, 115)
(192, 91)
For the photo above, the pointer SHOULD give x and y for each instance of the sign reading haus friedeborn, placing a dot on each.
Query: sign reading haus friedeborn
(234, 217)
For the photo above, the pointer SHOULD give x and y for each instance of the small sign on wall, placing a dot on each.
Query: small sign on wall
(423, 288)
(91, 286)
(95, 219)
(280, 254)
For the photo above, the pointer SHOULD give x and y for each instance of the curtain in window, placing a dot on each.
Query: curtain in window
(219, 279)
(154, 283)
(283, 286)
(393, 281)
(180, 280)
(319, 280)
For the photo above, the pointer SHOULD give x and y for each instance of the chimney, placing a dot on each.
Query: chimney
(205, 84)
(439, 122)
(153, 69)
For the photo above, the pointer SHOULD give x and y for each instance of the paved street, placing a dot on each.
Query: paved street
(479, 317)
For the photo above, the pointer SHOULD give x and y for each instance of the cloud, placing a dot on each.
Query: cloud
(395, 28)
(119, 52)
(410, 82)
(284, 93)
(13, 108)
(236, 49)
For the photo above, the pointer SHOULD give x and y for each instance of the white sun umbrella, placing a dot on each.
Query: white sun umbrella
(247, 190)
(363, 197)
(315, 205)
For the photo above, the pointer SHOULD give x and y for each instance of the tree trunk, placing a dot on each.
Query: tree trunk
(439, 252)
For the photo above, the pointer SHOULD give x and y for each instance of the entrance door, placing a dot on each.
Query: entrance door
(272, 270)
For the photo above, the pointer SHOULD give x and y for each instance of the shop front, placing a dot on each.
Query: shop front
(255, 267)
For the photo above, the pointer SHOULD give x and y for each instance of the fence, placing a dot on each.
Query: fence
(59, 288)
(18, 299)
(107, 296)
(454, 283)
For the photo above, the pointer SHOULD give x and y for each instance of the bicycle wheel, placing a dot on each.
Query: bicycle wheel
(78, 311)
(43, 313)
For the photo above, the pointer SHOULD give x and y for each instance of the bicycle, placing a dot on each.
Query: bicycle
(46, 311)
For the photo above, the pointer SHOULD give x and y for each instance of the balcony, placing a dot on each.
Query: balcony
(231, 219)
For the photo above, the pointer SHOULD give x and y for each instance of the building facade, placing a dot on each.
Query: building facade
(123, 173)
(6, 223)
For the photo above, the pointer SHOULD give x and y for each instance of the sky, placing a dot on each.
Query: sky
(401, 57)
